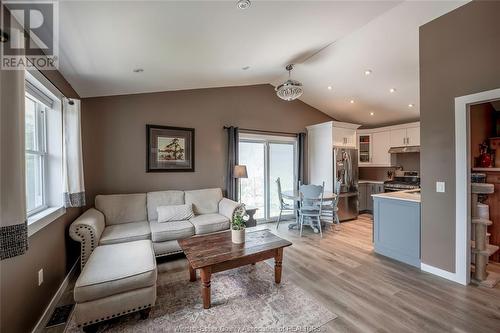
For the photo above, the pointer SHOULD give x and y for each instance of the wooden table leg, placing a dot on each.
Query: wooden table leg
(278, 259)
(206, 273)
(192, 274)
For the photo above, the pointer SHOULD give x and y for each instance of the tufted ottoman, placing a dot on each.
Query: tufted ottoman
(117, 279)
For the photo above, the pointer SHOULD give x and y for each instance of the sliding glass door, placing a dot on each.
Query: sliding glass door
(252, 189)
(267, 158)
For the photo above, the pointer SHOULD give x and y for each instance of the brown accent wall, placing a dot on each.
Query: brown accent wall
(459, 55)
(22, 300)
(114, 133)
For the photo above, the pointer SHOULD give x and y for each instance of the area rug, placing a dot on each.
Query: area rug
(243, 300)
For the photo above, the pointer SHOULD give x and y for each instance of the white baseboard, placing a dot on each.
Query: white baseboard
(40, 325)
(442, 273)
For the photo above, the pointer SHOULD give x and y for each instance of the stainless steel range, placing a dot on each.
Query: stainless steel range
(404, 180)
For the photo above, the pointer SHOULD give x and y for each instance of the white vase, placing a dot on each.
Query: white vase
(238, 236)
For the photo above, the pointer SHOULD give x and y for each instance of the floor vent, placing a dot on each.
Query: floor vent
(60, 315)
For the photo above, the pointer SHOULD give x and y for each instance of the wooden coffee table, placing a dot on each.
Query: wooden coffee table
(215, 253)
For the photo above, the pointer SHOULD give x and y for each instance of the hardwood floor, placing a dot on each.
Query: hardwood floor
(369, 292)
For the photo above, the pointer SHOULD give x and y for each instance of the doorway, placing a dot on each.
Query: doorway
(266, 158)
(462, 181)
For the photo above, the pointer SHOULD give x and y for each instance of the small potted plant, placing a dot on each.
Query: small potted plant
(238, 230)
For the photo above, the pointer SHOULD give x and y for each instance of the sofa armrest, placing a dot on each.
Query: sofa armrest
(230, 208)
(87, 230)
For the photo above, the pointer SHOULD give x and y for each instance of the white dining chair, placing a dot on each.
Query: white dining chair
(284, 206)
(311, 202)
(330, 209)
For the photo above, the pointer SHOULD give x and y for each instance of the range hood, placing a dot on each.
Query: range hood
(408, 149)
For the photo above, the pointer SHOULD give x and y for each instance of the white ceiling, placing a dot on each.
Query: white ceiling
(201, 44)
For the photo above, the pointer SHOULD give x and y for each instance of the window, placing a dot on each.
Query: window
(36, 154)
(43, 149)
(266, 158)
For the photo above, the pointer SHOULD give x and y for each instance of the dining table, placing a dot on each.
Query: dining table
(294, 195)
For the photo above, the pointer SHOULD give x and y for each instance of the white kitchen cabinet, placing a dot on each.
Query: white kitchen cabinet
(413, 136)
(408, 135)
(365, 147)
(380, 148)
(373, 146)
(343, 137)
(398, 137)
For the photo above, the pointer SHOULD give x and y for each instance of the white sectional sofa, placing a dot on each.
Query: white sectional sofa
(121, 218)
(120, 238)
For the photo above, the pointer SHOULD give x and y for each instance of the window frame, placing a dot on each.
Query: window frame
(267, 140)
(41, 150)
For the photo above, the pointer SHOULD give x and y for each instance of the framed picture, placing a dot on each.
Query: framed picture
(169, 149)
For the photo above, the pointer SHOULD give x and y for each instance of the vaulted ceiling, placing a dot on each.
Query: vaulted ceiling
(201, 44)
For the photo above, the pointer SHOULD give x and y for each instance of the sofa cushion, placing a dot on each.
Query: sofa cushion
(126, 232)
(122, 208)
(109, 272)
(162, 198)
(175, 213)
(165, 231)
(207, 223)
(204, 201)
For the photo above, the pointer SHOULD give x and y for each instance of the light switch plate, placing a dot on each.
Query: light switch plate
(440, 187)
(40, 277)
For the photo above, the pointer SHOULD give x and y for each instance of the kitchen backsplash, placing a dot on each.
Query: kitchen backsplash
(409, 162)
(374, 173)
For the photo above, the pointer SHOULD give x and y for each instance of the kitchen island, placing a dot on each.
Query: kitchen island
(396, 225)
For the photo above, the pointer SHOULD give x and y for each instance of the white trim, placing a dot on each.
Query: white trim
(268, 137)
(40, 325)
(39, 81)
(42, 219)
(439, 272)
(345, 125)
(388, 128)
(462, 175)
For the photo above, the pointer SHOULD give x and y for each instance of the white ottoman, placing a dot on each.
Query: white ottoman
(117, 279)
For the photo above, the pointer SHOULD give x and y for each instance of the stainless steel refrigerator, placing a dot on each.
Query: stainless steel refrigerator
(345, 169)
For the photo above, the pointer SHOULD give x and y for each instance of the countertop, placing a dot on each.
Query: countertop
(409, 195)
(366, 181)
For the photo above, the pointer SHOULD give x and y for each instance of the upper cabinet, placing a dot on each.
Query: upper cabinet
(413, 136)
(374, 144)
(344, 136)
(398, 137)
(381, 145)
(374, 147)
(406, 136)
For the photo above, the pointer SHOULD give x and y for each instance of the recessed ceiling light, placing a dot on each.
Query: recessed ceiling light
(372, 113)
(243, 4)
(245, 68)
(392, 90)
(330, 88)
(138, 70)
(351, 101)
(410, 105)
(368, 72)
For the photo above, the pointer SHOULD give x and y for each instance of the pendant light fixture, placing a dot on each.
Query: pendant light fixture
(290, 89)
